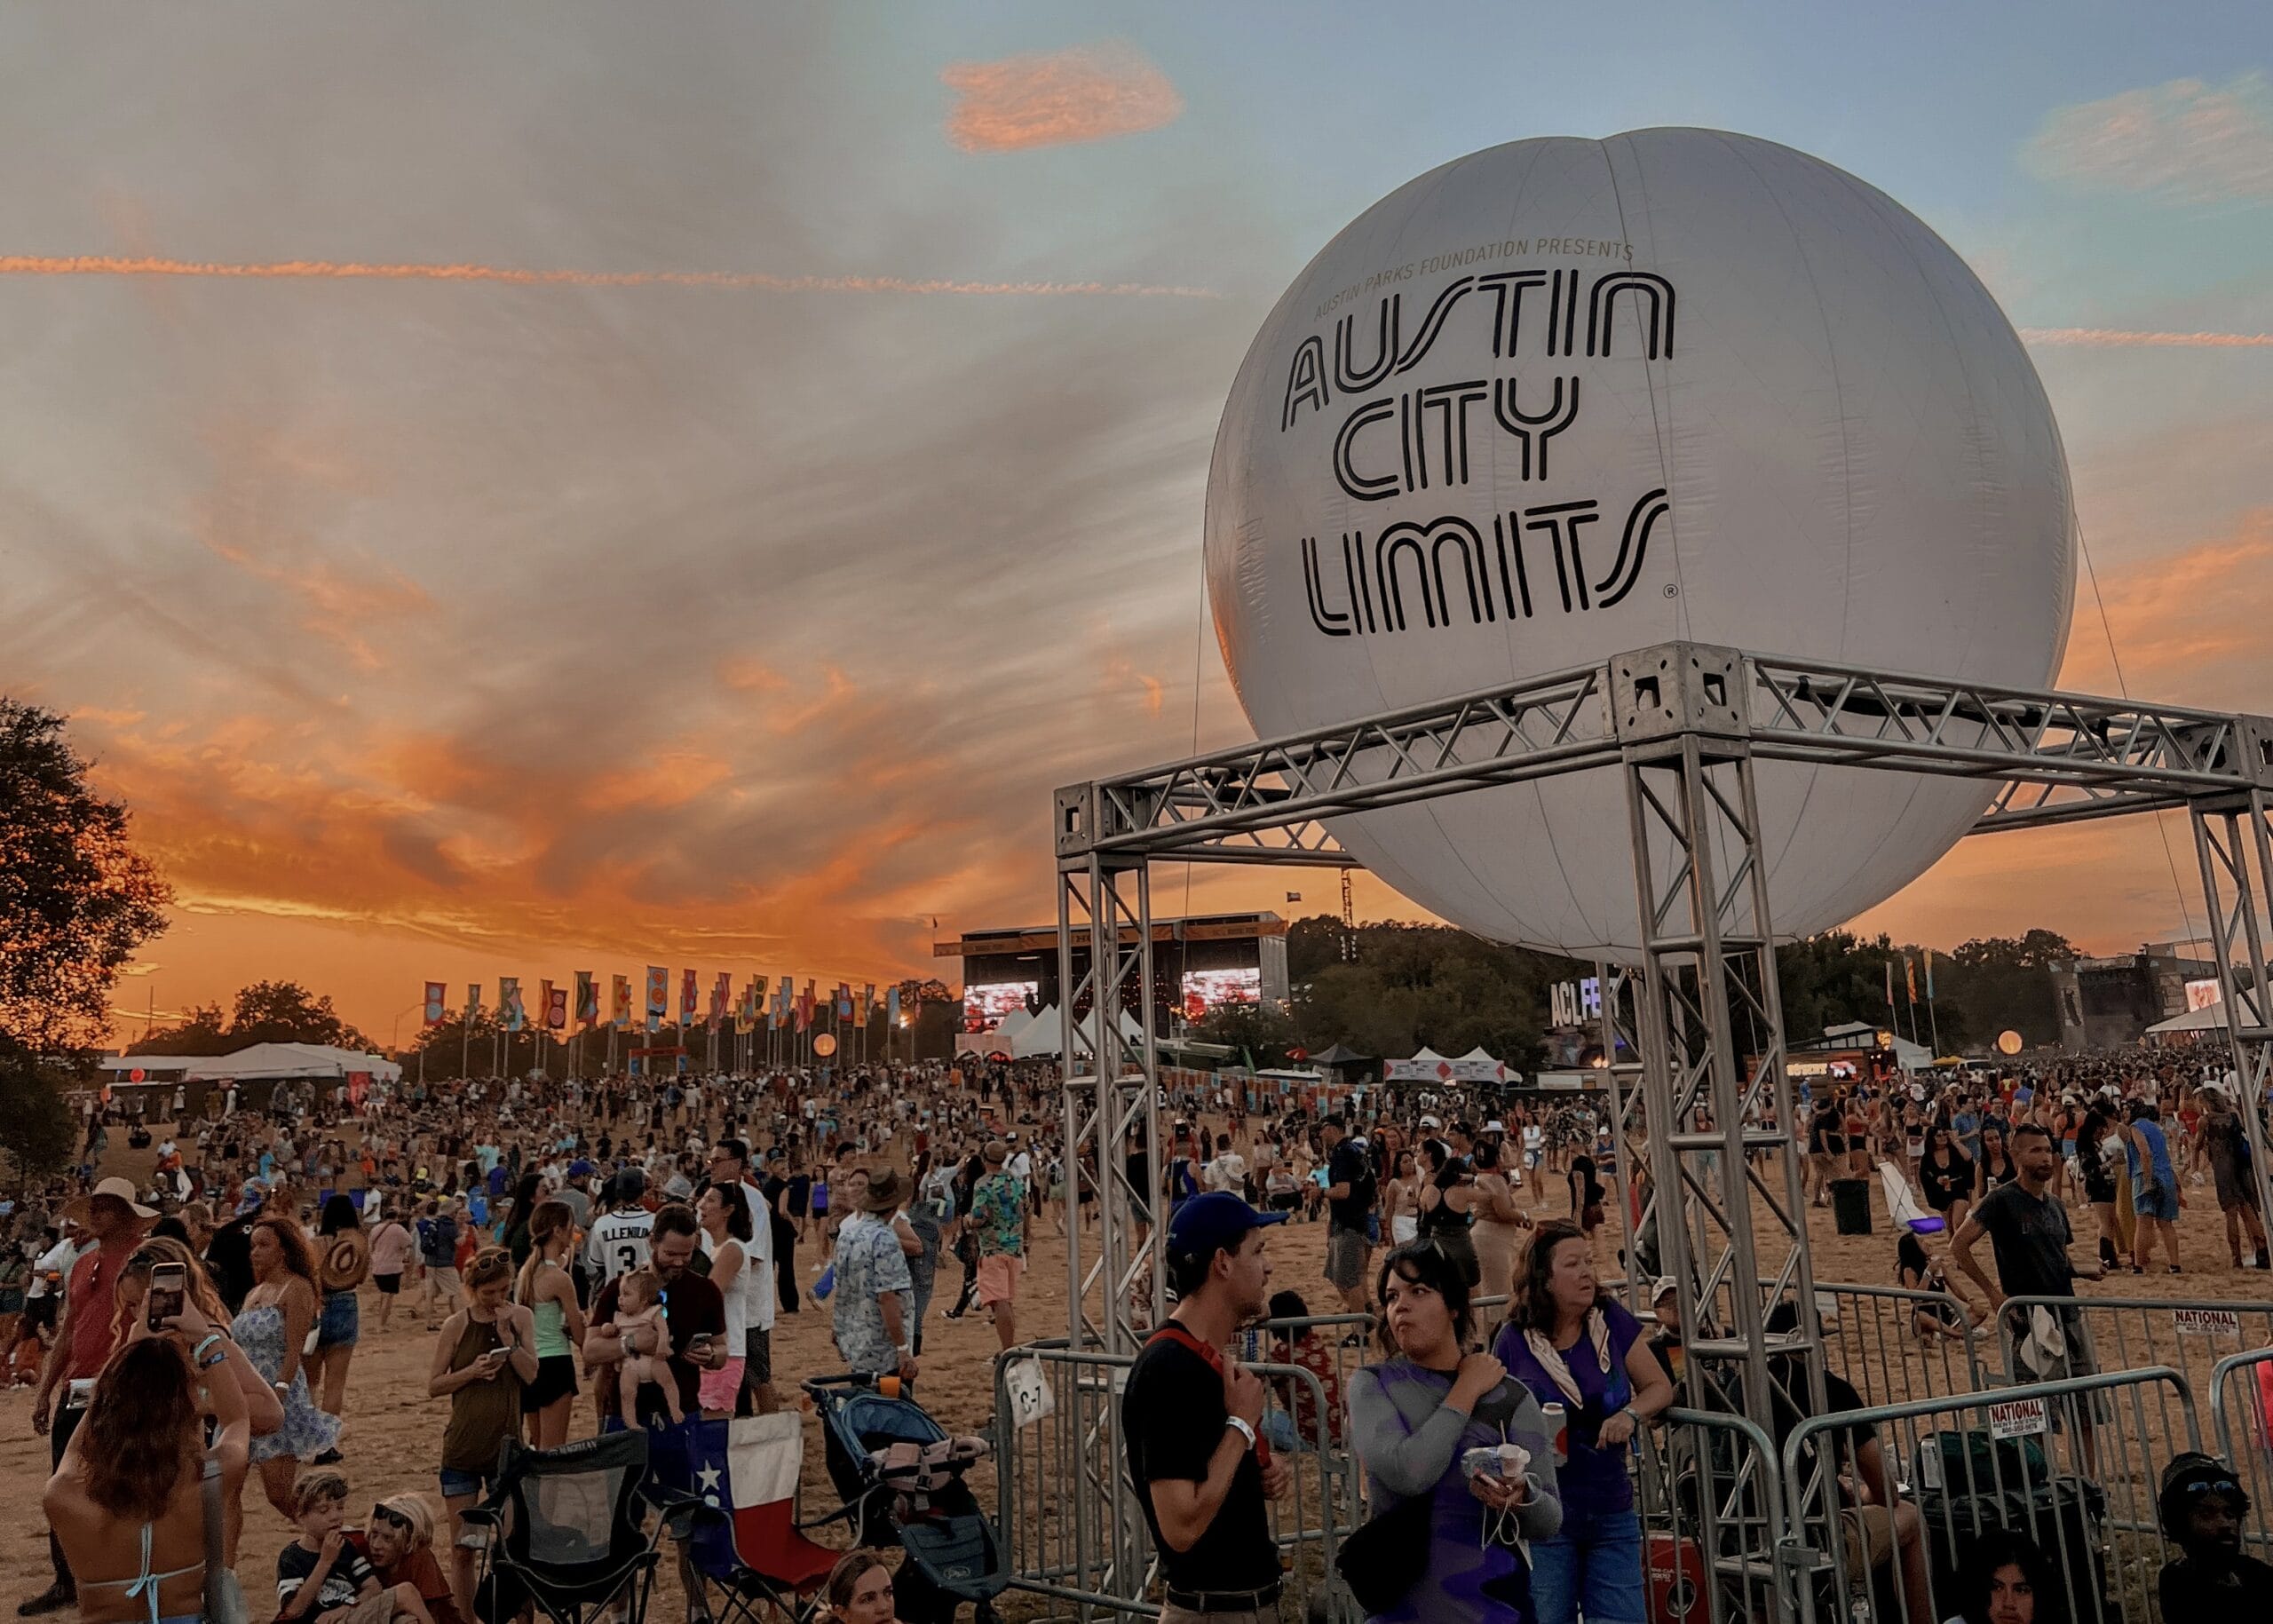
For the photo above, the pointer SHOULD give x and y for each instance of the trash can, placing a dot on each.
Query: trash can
(1850, 1206)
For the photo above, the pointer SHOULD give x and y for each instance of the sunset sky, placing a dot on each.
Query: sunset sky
(515, 488)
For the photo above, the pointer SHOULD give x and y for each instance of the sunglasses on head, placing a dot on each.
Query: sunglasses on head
(2212, 1485)
(391, 1518)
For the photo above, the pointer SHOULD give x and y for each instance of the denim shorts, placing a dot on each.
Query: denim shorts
(2155, 1200)
(342, 1323)
(456, 1483)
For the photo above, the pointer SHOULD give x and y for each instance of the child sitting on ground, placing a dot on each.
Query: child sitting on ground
(2202, 1507)
(646, 1346)
(1300, 1431)
(320, 1574)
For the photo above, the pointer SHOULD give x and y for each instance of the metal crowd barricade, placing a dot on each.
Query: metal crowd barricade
(2130, 1333)
(2241, 1417)
(2037, 1460)
(1709, 1489)
(1890, 1343)
(1071, 1525)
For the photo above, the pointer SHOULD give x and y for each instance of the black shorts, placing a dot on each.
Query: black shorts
(556, 1379)
(388, 1284)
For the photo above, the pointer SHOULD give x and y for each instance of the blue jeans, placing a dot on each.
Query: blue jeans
(1592, 1566)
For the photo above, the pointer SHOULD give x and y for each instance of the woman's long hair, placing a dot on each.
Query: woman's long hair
(141, 1430)
(548, 1219)
(339, 1216)
(157, 1249)
(299, 1258)
(1999, 1548)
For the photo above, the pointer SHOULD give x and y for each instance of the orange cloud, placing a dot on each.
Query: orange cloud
(2184, 140)
(669, 778)
(2124, 338)
(1055, 99)
(307, 270)
(2188, 626)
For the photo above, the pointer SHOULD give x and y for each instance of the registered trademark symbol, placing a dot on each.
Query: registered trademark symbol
(1672, 591)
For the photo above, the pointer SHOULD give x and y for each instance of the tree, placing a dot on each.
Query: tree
(1403, 985)
(285, 1012)
(36, 1132)
(200, 1032)
(77, 900)
(1260, 1034)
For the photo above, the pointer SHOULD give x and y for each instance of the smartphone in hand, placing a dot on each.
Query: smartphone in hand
(169, 1294)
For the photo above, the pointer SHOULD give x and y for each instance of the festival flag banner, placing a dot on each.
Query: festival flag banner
(619, 1001)
(807, 1001)
(659, 995)
(868, 1002)
(509, 1003)
(544, 1001)
(746, 1006)
(1929, 975)
(1910, 974)
(891, 1005)
(1889, 984)
(473, 1001)
(722, 990)
(555, 1006)
(587, 999)
(689, 998)
(844, 1001)
(437, 998)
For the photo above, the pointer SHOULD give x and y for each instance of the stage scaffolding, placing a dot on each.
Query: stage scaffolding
(1682, 724)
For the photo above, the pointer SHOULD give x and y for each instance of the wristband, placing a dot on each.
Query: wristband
(220, 1358)
(1239, 1426)
(197, 1354)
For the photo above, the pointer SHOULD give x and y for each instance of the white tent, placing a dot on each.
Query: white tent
(2210, 1018)
(1426, 1066)
(1477, 1067)
(279, 1061)
(1046, 1033)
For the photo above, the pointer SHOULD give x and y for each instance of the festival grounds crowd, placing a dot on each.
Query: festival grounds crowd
(590, 1254)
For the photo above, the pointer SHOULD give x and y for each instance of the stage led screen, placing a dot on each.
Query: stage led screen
(1207, 989)
(984, 1007)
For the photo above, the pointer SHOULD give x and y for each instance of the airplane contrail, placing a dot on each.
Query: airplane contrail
(298, 270)
(2121, 339)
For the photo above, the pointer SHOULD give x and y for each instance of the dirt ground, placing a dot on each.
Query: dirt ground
(393, 1431)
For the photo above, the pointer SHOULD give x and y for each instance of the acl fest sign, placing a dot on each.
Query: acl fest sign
(1408, 451)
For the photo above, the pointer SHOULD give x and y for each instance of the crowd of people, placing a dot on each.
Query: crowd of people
(595, 1254)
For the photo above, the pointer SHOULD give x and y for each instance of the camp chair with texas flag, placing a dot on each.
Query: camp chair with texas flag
(737, 1483)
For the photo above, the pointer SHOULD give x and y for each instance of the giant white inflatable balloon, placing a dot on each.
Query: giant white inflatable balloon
(1564, 398)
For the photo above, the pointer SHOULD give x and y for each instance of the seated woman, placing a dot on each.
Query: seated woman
(1413, 1419)
(128, 1503)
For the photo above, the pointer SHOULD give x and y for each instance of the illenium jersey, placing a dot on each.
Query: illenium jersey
(618, 1243)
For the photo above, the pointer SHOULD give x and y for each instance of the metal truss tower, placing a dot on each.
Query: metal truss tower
(1684, 724)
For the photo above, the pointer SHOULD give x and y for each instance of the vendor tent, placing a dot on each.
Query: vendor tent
(1426, 1066)
(2210, 1018)
(1046, 1033)
(1477, 1067)
(264, 1062)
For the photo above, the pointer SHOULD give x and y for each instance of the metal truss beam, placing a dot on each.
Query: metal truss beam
(2061, 757)
(2233, 840)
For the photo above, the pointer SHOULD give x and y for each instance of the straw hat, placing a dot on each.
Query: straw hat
(118, 1189)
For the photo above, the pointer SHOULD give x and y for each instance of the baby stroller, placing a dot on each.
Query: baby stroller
(901, 1479)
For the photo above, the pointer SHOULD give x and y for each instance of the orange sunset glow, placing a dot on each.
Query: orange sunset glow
(542, 490)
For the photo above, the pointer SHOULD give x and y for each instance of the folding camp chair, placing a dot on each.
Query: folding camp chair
(567, 1532)
(1902, 1206)
(741, 1540)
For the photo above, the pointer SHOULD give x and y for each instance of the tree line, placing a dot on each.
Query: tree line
(1388, 989)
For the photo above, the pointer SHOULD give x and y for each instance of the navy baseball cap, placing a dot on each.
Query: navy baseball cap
(1218, 1221)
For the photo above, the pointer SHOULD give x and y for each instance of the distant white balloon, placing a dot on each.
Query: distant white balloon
(1564, 398)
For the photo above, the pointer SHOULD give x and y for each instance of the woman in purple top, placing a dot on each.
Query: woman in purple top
(1569, 1343)
(1414, 1417)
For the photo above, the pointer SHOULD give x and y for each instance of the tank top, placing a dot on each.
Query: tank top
(551, 1330)
(483, 1414)
(1442, 1219)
